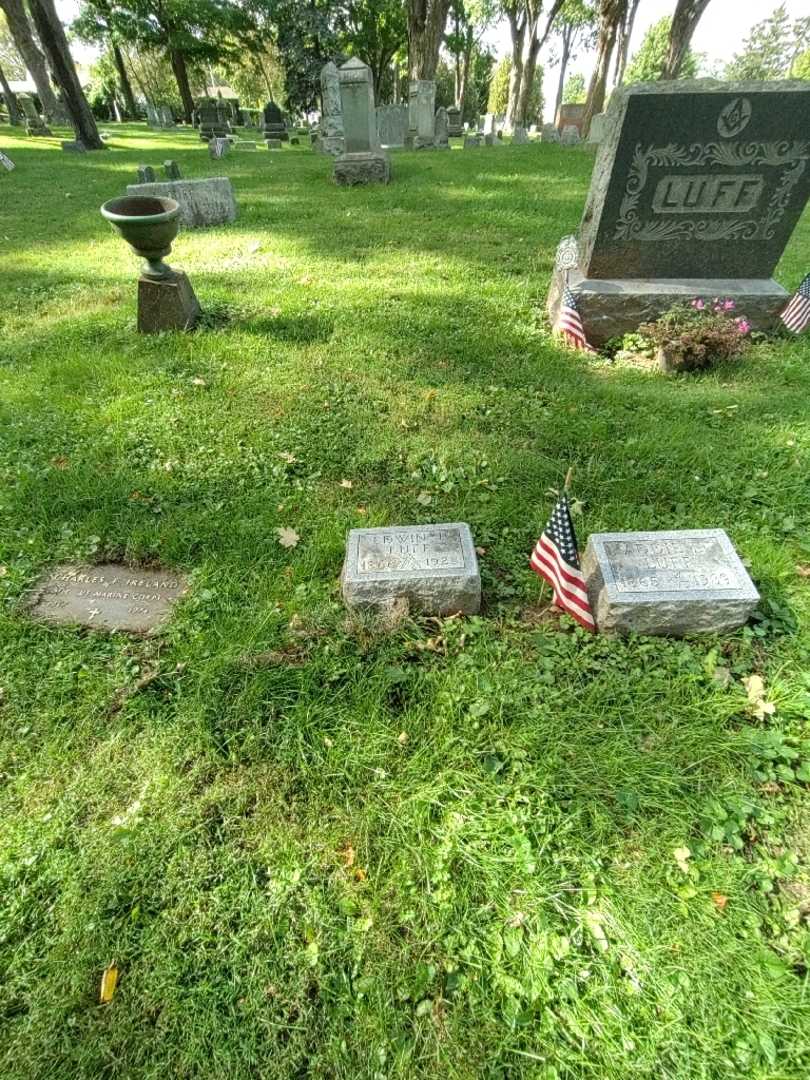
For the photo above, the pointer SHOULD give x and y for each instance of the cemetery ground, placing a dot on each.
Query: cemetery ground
(315, 845)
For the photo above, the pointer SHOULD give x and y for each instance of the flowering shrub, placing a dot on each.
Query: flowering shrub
(699, 334)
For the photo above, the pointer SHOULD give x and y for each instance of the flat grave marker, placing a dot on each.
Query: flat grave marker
(107, 597)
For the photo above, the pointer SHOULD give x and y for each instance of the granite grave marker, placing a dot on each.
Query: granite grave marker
(363, 161)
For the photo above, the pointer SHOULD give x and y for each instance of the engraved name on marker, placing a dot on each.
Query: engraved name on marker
(431, 549)
(670, 565)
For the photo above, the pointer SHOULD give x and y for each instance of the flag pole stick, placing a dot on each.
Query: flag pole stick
(568, 476)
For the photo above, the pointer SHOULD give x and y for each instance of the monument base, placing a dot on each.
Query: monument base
(367, 168)
(330, 144)
(166, 304)
(610, 308)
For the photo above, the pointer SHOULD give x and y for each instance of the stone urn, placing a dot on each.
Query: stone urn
(149, 225)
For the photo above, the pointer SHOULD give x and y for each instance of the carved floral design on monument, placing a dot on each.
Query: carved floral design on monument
(716, 194)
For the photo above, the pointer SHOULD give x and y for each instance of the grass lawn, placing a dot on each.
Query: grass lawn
(315, 847)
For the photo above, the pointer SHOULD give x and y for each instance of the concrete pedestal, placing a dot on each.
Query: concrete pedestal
(166, 304)
(609, 308)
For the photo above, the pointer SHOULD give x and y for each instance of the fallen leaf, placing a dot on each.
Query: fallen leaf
(480, 551)
(424, 498)
(803, 571)
(197, 381)
(305, 279)
(402, 738)
(288, 457)
(719, 900)
(288, 538)
(109, 981)
(682, 855)
(346, 484)
(60, 462)
(359, 874)
(755, 688)
(347, 853)
(3, 571)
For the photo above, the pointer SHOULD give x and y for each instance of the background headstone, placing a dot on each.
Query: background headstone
(570, 135)
(520, 136)
(218, 148)
(570, 115)
(549, 134)
(146, 174)
(203, 203)
(392, 124)
(171, 170)
(421, 113)
(676, 583)
(274, 126)
(597, 130)
(441, 126)
(471, 142)
(330, 132)
(433, 566)
(363, 161)
(74, 146)
(455, 126)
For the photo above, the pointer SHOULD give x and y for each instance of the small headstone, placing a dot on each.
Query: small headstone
(246, 144)
(146, 174)
(273, 144)
(549, 134)
(490, 138)
(203, 203)
(421, 114)
(218, 148)
(441, 129)
(295, 140)
(570, 114)
(596, 131)
(570, 135)
(34, 124)
(75, 146)
(274, 126)
(433, 566)
(171, 170)
(6, 162)
(675, 583)
(392, 124)
(520, 136)
(455, 126)
(107, 597)
(471, 142)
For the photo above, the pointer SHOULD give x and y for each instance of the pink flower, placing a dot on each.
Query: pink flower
(699, 304)
(728, 305)
(743, 325)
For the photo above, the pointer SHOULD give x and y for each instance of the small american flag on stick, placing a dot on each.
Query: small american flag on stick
(555, 559)
(796, 315)
(569, 323)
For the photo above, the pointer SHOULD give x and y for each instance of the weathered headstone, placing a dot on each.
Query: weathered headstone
(245, 144)
(330, 132)
(549, 134)
(167, 117)
(34, 124)
(295, 140)
(212, 124)
(455, 126)
(433, 566)
(146, 174)
(6, 162)
(488, 125)
(441, 127)
(74, 146)
(152, 116)
(570, 115)
(471, 142)
(676, 583)
(421, 114)
(519, 136)
(171, 170)
(274, 126)
(596, 131)
(363, 161)
(490, 138)
(392, 124)
(696, 190)
(273, 144)
(219, 148)
(570, 135)
(202, 202)
(107, 597)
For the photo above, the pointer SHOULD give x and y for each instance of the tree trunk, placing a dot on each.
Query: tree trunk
(611, 13)
(623, 52)
(517, 29)
(123, 80)
(567, 38)
(181, 75)
(464, 73)
(527, 83)
(684, 21)
(33, 59)
(426, 22)
(52, 36)
(15, 117)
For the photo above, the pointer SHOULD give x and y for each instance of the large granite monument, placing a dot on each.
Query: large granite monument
(685, 582)
(363, 161)
(434, 567)
(696, 189)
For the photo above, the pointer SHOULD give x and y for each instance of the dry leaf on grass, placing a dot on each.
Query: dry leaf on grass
(288, 538)
(803, 571)
(719, 900)
(755, 688)
(346, 484)
(109, 982)
(682, 855)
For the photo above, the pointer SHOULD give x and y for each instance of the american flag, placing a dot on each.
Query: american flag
(796, 315)
(569, 324)
(555, 558)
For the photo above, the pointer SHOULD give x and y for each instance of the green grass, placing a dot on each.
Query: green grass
(317, 848)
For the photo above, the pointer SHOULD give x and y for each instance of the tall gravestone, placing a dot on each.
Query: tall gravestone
(211, 123)
(34, 124)
(570, 115)
(421, 114)
(274, 126)
(392, 124)
(696, 189)
(441, 127)
(363, 161)
(455, 126)
(330, 134)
